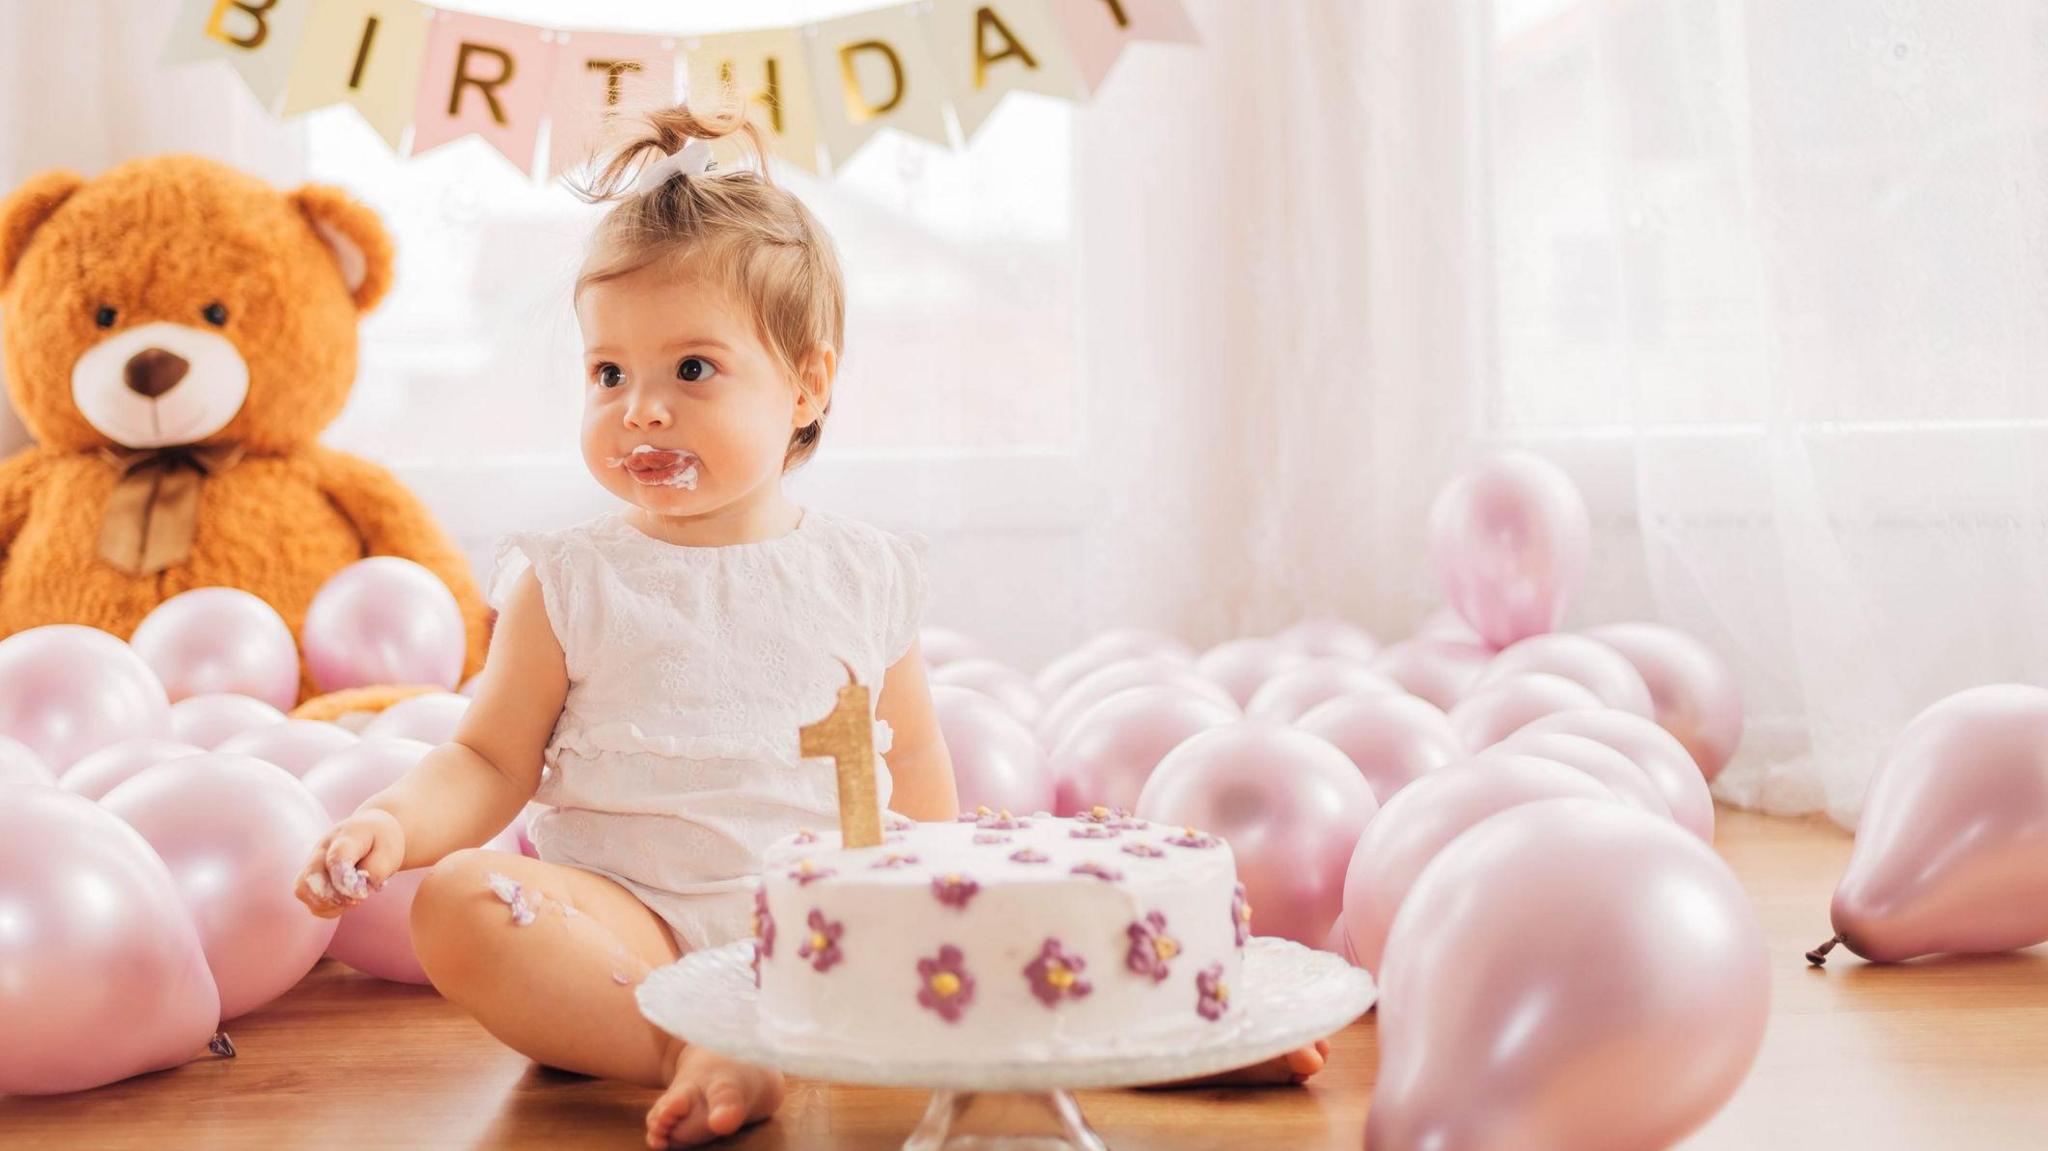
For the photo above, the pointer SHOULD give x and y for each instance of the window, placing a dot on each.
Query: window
(1715, 216)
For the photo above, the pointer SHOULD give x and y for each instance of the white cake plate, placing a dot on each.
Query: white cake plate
(1287, 997)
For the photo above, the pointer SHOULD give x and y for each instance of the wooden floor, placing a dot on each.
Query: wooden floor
(1929, 1055)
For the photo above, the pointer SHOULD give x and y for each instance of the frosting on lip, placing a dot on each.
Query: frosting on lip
(659, 467)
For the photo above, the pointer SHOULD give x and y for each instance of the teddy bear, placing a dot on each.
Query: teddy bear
(177, 334)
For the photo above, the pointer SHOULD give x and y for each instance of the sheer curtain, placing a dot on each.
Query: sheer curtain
(1772, 280)
(1283, 314)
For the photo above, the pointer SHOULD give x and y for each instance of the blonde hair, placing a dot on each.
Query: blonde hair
(736, 225)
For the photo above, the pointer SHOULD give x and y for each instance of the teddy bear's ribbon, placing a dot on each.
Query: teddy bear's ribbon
(150, 517)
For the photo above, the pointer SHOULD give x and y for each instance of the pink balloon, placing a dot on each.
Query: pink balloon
(1416, 824)
(1242, 666)
(375, 936)
(297, 745)
(1587, 662)
(1692, 688)
(1657, 752)
(235, 831)
(1103, 682)
(1336, 943)
(1509, 538)
(430, 718)
(1329, 637)
(68, 691)
(109, 767)
(1440, 671)
(19, 765)
(996, 760)
(1567, 974)
(384, 620)
(522, 830)
(1952, 851)
(101, 973)
(1497, 710)
(1394, 739)
(1291, 694)
(1290, 806)
(1105, 649)
(1446, 625)
(211, 720)
(1113, 748)
(998, 681)
(943, 645)
(342, 781)
(1627, 781)
(220, 641)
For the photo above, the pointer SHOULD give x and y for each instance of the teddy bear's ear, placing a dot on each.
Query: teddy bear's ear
(26, 210)
(361, 247)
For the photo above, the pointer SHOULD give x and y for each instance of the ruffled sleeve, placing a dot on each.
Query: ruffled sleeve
(544, 554)
(909, 588)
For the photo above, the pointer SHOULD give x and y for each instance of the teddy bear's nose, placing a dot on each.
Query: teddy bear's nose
(153, 371)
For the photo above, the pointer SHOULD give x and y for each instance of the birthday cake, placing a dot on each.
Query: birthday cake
(1000, 936)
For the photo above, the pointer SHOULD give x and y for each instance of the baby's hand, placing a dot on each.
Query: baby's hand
(351, 862)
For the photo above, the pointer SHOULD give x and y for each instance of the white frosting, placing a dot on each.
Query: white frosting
(997, 918)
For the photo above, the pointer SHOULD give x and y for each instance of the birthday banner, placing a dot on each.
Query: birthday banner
(423, 76)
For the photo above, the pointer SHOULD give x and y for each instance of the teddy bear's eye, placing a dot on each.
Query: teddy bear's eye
(215, 314)
(104, 317)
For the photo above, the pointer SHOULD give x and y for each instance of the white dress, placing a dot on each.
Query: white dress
(674, 764)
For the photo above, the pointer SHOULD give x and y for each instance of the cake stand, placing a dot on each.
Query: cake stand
(1287, 997)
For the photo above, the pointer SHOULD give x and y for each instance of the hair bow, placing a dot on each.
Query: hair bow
(692, 159)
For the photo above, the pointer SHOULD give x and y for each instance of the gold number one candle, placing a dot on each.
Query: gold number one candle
(847, 737)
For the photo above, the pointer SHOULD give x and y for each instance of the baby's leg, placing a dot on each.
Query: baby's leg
(546, 957)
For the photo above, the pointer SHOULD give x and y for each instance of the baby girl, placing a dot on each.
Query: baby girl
(660, 660)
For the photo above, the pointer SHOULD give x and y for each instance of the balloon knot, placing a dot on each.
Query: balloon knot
(221, 1045)
(1819, 955)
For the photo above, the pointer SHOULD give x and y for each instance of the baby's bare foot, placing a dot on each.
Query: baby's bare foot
(710, 1098)
(1293, 1068)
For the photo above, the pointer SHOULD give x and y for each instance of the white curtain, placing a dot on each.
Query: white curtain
(1284, 327)
(1782, 269)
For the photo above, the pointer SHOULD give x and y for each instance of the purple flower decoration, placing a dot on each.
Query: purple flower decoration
(764, 927)
(1106, 874)
(1029, 855)
(1142, 850)
(806, 836)
(891, 861)
(989, 838)
(1131, 823)
(891, 821)
(1098, 814)
(821, 946)
(1213, 992)
(944, 985)
(954, 890)
(1001, 821)
(1189, 837)
(1151, 947)
(807, 873)
(978, 813)
(1241, 915)
(1092, 831)
(1056, 975)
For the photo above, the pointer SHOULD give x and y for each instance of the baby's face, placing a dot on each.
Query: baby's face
(684, 409)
